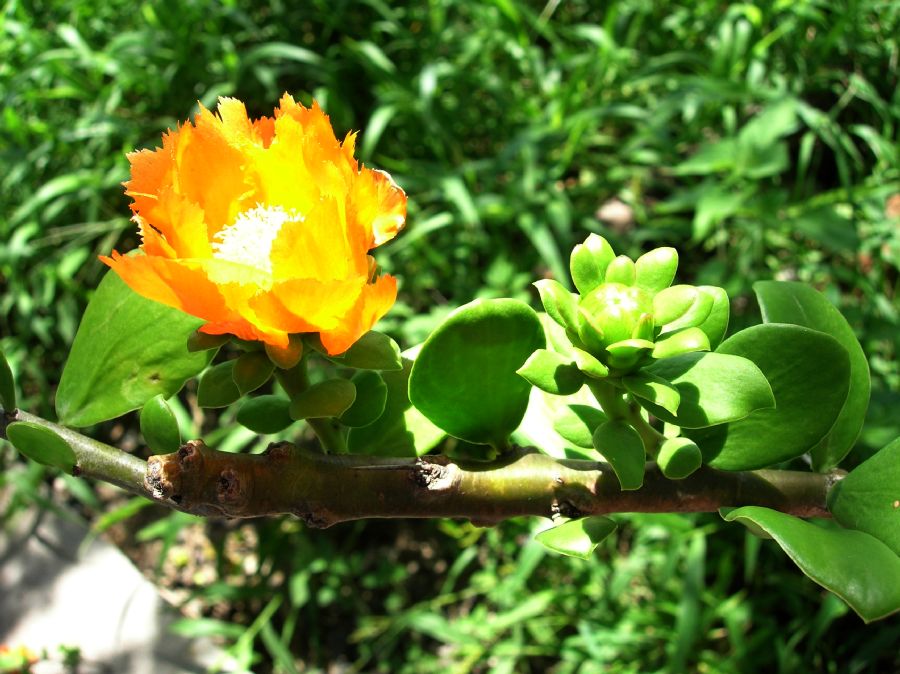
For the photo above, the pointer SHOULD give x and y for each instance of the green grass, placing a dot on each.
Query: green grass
(759, 139)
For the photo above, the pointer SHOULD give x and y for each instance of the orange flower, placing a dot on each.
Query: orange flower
(262, 228)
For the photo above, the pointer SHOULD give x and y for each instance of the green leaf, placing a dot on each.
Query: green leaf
(577, 423)
(252, 370)
(558, 302)
(41, 444)
(401, 430)
(623, 448)
(620, 270)
(797, 303)
(686, 340)
(655, 389)
(672, 303)
(710, 158)
(286, 357)
(716, 203)
(551, 372)
(373, 351)
(809, 374)
(7, 385)
(716, 324)
(159, 426)
(577, 538)
(371, 396)
(589, 261)
(128, 349)
(464, 379)
(655, 270)
(857, 567)
(678, 458)
(715, 388)
(329, 398)
(265, 414)
(589, 365)
(200, 341)
(216, 387)
(693, 316)
(628, 352)
(868, 498)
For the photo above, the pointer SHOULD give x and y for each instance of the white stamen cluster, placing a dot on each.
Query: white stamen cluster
(248, 240)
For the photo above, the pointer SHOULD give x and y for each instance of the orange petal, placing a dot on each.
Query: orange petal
(306, 305)
(211, 171)
(181, 222)
(174, 283)
(152, 242)
(378, 205)
(322, 246)
(150, 170)
(374, 302)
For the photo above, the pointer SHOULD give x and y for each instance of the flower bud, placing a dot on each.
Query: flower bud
(615, 311)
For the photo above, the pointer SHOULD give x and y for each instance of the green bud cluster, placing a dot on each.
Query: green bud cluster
(625, 318)
(627, 313)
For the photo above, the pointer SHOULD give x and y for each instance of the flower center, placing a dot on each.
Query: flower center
(248, 240)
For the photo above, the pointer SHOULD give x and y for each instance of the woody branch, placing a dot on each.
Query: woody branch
(327, 489)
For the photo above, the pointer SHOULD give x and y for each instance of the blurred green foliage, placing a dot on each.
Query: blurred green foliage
(760, 139)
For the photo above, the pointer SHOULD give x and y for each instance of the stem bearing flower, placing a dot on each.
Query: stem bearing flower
(263, 228)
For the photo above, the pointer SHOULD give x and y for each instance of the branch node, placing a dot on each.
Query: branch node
(190, 456)
(314, 520)
(433, 475)
(231, 490)
(157, 481)
(280, 451)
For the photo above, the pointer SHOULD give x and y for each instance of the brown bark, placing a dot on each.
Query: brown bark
(325, 489)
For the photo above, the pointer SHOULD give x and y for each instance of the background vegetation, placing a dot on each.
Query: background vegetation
(760, 139)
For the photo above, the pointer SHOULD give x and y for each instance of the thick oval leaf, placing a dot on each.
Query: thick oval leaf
(671, 303)
(371, 396)
(620, 270)
(577, 423)
(577, 538)
(716, 324)
(200, 341)
(159, 426)
(41, 444)
(373, 351)
(678, 458)
(589, 261)
(464, 378)
(797, 303)
(539, 425)
(589, 365)
(809, 373)
(551, 372)
(329, 398)
(655, 389)
(623, 448)
(695, 315)
(265, 414)
(401, 430)
(286, 357)
(686, 340)
(128, 349)
(216, 387)
(252, 370)
(7, 385)
(655, 270)
(558, 302)
(868, 499)
(715, 388)
(857, 567)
